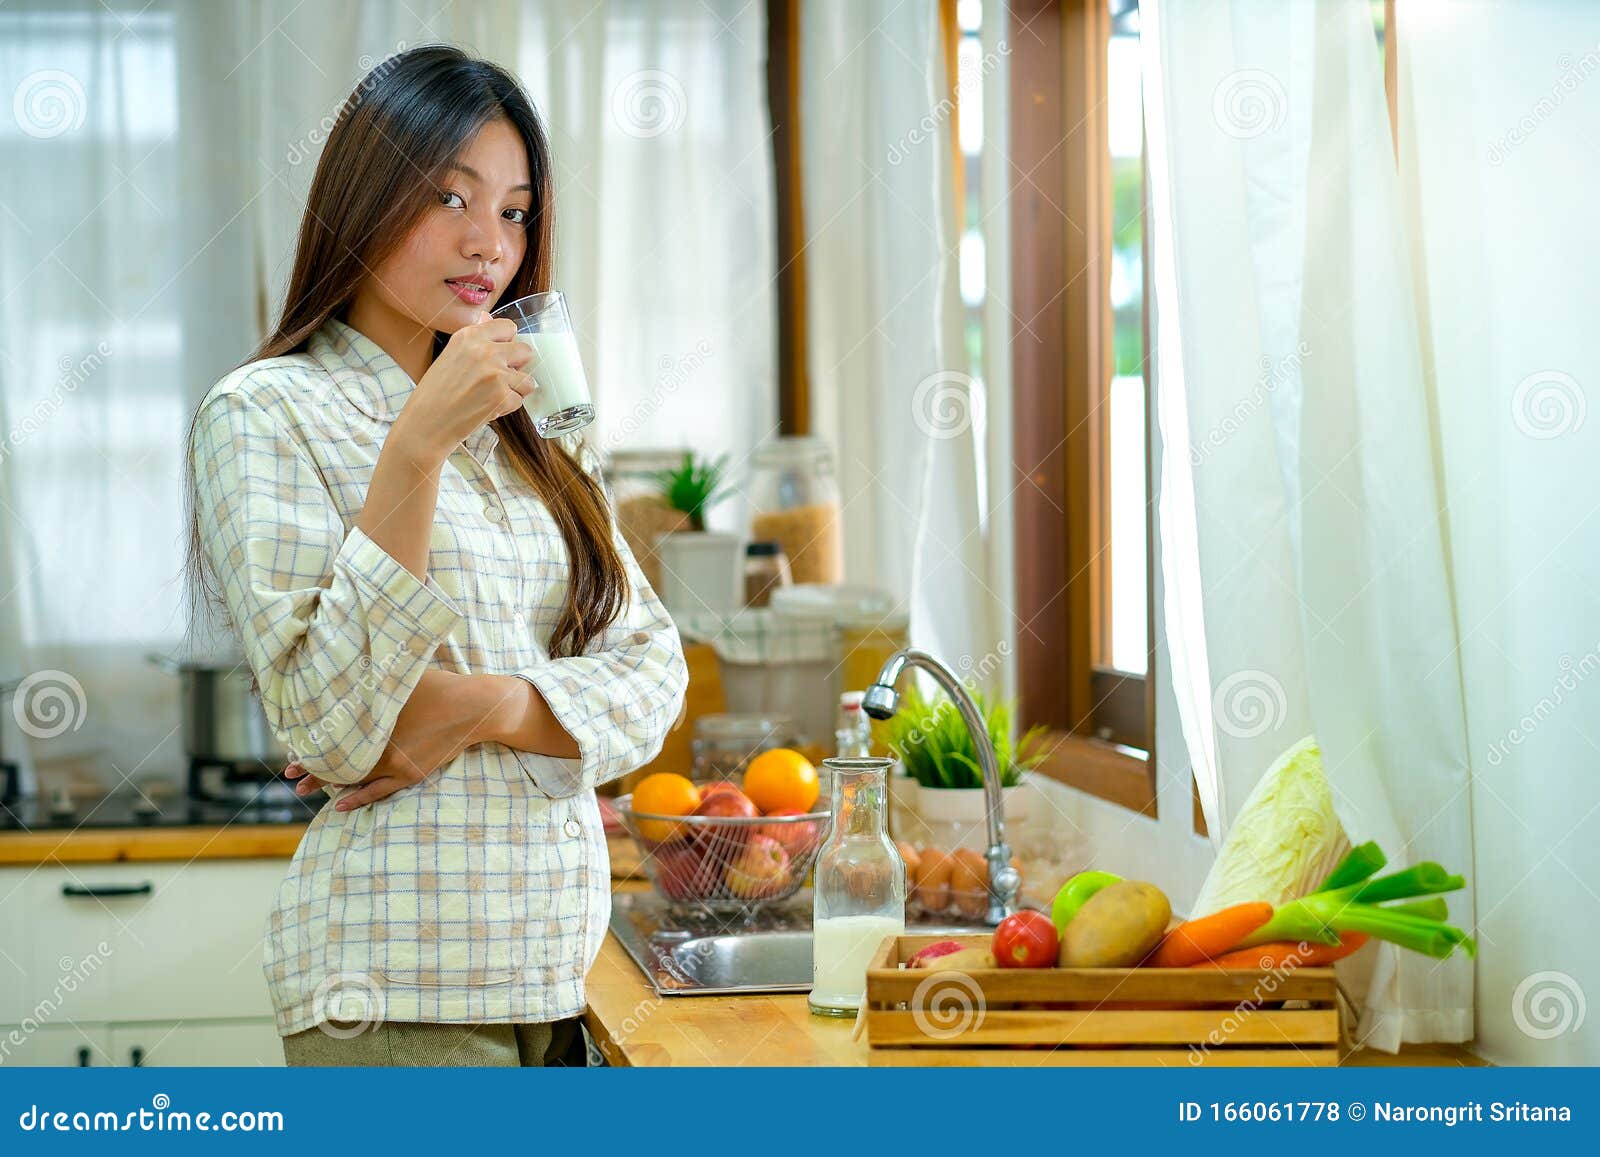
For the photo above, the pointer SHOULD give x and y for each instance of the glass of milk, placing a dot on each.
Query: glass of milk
(560, 401)
(858, 886)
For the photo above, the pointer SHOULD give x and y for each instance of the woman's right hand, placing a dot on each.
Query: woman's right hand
(478, 376)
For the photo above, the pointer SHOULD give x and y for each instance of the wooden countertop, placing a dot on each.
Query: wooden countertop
(114, 845)
(634, 1026)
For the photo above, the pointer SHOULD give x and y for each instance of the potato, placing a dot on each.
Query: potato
(1117, 927)
(933, 880)
(969, 883)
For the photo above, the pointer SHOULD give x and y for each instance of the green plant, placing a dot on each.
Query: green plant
(933, 743)
(695, 487)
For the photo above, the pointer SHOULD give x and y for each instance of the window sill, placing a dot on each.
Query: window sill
(1108, 771)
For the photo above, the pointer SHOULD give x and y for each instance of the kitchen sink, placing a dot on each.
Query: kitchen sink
(693, 953)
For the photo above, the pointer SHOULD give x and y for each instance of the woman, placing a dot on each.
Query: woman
(445, 626)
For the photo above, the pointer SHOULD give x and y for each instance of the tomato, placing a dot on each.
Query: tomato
(1026, 939)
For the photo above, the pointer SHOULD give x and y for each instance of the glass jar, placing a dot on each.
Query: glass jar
(641, 511)
(858, 886)
(724, 744)
(766, 568)
(867, 642)
(794, 501)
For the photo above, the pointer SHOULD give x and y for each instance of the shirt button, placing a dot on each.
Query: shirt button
(493, 513)
(572, 828)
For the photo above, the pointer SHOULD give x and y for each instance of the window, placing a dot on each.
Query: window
(1081, 435)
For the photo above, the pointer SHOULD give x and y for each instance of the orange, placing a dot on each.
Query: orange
(664, 794)
(781, 778)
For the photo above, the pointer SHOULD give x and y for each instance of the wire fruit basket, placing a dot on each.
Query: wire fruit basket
(725, 864)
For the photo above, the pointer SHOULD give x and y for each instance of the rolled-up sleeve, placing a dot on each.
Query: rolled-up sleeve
(620, 698)
(336, 631)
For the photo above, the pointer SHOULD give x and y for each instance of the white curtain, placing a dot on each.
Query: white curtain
(1303, 548)
(1499, 105)
(658, 119)
(907, 423)
(153, 171)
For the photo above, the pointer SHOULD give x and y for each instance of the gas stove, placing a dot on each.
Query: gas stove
(126, 808)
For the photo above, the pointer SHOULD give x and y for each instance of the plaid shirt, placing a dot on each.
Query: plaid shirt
(482, 893)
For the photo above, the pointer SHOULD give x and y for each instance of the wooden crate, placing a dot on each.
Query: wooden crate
(1186, 1017)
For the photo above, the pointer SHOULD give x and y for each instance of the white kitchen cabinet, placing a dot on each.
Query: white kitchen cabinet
(173, 949)
(253, 1042)
(55, 1046)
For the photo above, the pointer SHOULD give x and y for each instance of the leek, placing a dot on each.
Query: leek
(1350, 901)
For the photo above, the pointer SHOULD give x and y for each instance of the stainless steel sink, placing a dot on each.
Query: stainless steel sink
(687, 953)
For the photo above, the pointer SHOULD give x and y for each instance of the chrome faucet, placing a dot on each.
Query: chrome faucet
(882, 700)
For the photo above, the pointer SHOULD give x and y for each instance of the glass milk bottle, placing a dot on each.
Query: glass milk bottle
(858, 885)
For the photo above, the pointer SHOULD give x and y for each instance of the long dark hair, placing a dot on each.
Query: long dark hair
(404, 123)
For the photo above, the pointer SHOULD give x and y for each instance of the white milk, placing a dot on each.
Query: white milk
(841, 949)
(557, 369)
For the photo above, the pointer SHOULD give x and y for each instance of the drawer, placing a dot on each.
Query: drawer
(252, 1043)
(140, 941)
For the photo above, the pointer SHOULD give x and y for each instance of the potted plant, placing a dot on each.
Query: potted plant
(701, 570)
(933, 744)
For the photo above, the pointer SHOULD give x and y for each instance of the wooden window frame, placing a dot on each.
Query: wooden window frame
(783, 104)
(1100, 720)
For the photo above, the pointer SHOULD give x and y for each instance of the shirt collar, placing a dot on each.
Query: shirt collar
(373, 381)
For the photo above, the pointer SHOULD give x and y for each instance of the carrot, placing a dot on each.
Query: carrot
(1197, 941)
(1289, 954)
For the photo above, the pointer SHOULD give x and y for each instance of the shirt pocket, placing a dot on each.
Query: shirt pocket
(450, 905)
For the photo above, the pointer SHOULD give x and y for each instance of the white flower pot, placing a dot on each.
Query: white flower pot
(957, 817)
(701, 570)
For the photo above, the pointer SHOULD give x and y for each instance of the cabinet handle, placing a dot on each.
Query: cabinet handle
(136, 1056)
(100, 891)
(83, 1057)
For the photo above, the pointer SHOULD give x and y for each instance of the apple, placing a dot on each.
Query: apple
(722, 842)
(760, 870)
(798, 839)
(681, 872)
(725, 801)
(716, 785)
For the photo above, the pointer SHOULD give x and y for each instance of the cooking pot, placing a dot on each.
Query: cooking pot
(16, 767)
(223, 722)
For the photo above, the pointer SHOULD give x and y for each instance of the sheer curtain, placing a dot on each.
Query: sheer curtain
(908, 428)
(92, 341)
(1498, 107)
(152, 178)
(1303, 543)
